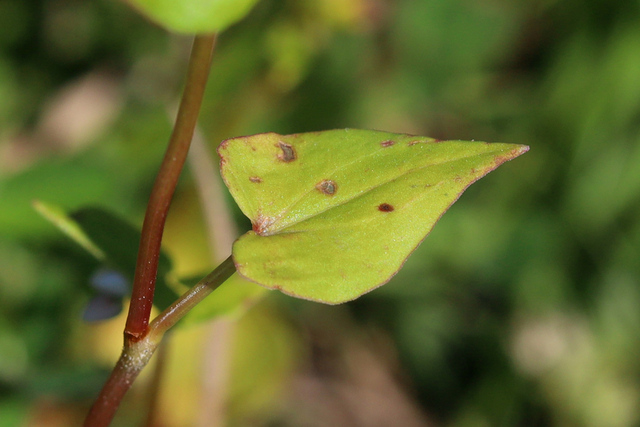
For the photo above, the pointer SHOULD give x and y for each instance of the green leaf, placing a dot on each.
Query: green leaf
(58, 217)
(335, 214)
(112, 241)
(194, 16)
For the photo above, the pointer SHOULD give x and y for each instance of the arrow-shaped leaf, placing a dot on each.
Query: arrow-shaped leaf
(335, 214)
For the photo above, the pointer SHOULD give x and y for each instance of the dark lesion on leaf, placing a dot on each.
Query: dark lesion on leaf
(387, 143)
(261, 224)
(385, 207)
(255, 179)
(328, 187)
(288, 153)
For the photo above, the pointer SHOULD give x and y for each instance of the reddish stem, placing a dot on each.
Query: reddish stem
(137, 351)
(164, 187)
(117, 385)
(131, 362)
(136, 354)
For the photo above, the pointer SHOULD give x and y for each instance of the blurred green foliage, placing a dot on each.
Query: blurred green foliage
(521, 308)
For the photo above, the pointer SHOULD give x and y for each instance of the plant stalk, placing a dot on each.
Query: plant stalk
(136, 354)
(164, 187)
(137, 349)
(134, 357)
(176, 311)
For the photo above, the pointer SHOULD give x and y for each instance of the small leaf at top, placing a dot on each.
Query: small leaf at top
(335, 214)
(194, 16)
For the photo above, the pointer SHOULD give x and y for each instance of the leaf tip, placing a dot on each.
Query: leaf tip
(518, 150)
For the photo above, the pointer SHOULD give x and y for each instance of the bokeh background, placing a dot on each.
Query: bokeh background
(522, 308)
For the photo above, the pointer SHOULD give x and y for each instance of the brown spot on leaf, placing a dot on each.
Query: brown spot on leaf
(328, 187)
(387, 143)
(255, 179)
(385, 207)
(288, 153)
(262, 223)
(414, 142)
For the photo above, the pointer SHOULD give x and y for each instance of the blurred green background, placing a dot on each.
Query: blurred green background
(522, 308)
